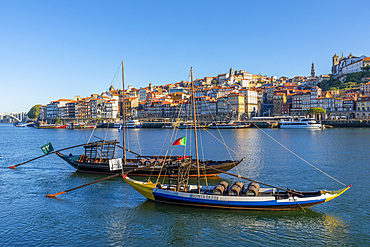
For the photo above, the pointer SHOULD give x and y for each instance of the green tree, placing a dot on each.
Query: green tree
(366, 68)
(214, 82)
(316, 110)
(59, 121)
(34, 112)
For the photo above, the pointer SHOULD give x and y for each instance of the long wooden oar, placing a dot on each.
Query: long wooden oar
(109, 177)
(13, 167)
(238, 176)
(59, 193)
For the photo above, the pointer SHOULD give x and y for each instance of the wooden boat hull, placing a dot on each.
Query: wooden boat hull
(45, 127)
(131, 164)
(267, 203)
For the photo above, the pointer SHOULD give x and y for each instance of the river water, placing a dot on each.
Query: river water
(111, 213)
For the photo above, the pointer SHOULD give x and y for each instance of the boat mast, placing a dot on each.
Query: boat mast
(195, 130)
(124, 116)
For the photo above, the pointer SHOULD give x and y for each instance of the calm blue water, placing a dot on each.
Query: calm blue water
(111, 213)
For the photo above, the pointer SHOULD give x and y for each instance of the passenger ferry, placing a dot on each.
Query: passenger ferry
(302, 123)
(131, 124)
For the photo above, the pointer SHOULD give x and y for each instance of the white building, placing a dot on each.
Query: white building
(142, 94)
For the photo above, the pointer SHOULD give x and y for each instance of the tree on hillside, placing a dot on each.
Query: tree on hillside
(34, 112)
(366, 68)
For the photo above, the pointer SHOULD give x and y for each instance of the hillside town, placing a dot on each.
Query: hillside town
(235, 95)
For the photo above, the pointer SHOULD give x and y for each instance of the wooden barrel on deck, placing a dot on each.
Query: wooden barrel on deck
(220, 188)
(156, 162)
(253, 189)
(142, 162)
(236, 189)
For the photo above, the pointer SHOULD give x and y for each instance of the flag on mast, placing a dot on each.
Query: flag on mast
(180, 141)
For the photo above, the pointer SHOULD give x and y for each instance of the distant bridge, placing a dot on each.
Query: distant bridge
(16, 116)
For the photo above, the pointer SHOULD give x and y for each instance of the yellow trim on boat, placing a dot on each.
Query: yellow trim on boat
(336, 193)
(144, 188)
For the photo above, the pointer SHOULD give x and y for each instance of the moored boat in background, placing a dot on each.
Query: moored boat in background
(41, 125)
(302, 123)
(130, 124)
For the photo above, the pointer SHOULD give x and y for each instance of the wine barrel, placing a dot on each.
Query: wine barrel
(220, 188)
(156, 162)
(142, 162)
(147, 163)
(225, 184)
(253, 189)
(236, 189)
(168, 162)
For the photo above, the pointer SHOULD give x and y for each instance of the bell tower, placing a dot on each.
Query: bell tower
(312, 70)
(335, 60)
(335, 63)
(231, 72)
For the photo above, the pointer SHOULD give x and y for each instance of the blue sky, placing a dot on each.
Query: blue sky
(58, 49)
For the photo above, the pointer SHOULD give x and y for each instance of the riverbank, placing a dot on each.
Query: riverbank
(260, 124)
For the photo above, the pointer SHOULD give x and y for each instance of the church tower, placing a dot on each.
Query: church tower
(335, 60)
(231, 72)
(312, 70)
(335, 63)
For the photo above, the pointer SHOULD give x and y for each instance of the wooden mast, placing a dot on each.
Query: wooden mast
(195, 130)
(124, 116)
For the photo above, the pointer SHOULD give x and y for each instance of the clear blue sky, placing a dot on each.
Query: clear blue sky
(58, 49)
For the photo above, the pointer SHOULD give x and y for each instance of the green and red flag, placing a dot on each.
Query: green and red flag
(180, 141)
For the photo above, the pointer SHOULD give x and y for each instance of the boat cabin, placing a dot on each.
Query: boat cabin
(99, 151)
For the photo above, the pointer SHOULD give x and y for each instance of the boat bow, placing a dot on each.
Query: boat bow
(144, 188)
(333, 194)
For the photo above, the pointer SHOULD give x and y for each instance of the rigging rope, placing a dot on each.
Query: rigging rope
(296, 154)
(291, 150)
(223, 141)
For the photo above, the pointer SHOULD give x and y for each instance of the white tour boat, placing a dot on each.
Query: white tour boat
(302, 123)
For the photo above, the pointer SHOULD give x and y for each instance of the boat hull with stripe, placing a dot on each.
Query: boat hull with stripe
(270, 201)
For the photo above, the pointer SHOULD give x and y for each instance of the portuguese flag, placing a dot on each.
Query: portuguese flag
(180, 141)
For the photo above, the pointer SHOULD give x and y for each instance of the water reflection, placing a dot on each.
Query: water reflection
(177, 225)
